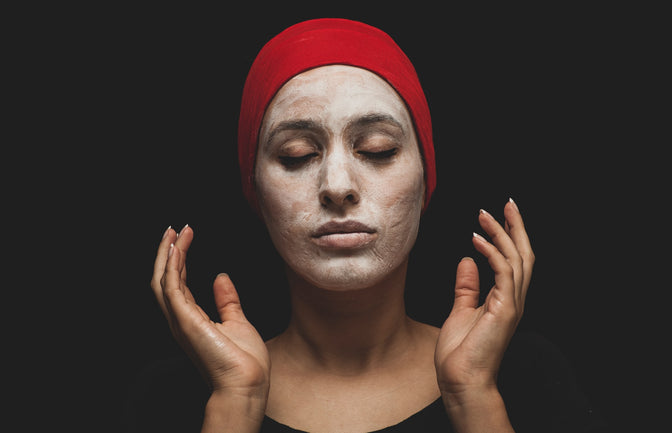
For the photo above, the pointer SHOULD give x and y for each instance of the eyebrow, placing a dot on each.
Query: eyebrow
(311, 125)
(372, 118)
(293, 125)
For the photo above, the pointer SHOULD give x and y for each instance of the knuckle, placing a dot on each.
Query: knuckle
(516, 260)
(171, 294)
(156, 283)
(531, 257)
(510, 313)
(528, 257)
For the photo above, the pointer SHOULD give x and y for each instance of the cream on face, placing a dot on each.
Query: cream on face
(339, 177)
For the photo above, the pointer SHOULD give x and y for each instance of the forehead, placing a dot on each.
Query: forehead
(335, 93)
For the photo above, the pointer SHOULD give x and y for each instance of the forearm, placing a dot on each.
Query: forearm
(477, 412)
(229, 414)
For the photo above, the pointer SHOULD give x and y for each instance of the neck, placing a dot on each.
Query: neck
(347, 332)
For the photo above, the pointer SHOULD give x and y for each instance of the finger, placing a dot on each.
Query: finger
(183, 242)
(504, 243)
(179, 300)
(160, 266)
(518, 233)
(504, 289)
(227, 300)
(467, 286)
(180, 266)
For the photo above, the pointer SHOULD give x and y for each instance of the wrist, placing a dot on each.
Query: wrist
(477, 409)
(226, 412)
(471, 396)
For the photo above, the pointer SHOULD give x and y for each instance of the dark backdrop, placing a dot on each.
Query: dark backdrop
(536, 104)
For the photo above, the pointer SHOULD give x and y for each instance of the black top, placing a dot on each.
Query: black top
(535, 380)
(431, 418)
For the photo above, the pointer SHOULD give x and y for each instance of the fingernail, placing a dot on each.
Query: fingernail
(514, 204)
(170, 251)
(484, 212)
(467, 258)
(479, 237)
(185, 226)
(166, 232)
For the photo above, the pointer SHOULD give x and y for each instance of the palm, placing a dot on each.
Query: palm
(241, 360)
(474, 337)
(230, 354)
(466, 342)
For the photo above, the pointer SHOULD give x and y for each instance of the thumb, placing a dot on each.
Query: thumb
(467, 286)
(226, 299)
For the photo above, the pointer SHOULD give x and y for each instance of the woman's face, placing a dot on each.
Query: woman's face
(339, 177)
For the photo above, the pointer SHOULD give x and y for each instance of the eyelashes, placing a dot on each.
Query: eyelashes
(296, 161)
(374, 157)
(379, 156)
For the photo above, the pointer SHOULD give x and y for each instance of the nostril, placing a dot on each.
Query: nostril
(334, 199)
(325, 200)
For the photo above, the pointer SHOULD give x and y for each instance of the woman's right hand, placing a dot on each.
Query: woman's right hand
(230, 354)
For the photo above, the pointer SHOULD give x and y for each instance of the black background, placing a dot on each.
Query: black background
(139, 107)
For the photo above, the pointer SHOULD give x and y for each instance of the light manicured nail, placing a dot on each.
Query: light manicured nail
(479, 237)
(514, 204)
(484, 212)
(166, 232)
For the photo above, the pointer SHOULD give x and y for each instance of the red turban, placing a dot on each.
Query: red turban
(321, 42)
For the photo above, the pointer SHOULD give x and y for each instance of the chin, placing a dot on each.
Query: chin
(345, 274)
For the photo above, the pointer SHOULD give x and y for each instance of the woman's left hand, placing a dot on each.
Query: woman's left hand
(473, 339)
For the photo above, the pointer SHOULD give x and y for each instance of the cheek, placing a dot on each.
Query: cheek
(286, 203)
(400, 205)
(403, 187)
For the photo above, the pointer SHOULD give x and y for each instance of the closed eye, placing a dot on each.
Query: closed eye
(296, 161)
(379, 156)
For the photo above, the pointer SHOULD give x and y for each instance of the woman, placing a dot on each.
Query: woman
(337, 158)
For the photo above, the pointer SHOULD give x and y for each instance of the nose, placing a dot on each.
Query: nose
(338, 186)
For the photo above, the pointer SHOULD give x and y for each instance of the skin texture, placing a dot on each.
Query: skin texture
(384, 193)
(337, 147)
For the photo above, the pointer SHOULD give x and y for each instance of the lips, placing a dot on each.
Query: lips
(344, 235)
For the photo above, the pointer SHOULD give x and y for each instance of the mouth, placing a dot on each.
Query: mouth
(348, 234)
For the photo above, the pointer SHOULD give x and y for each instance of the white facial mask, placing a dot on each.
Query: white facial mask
(339, 177)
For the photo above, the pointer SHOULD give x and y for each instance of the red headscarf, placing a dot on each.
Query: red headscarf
(321, 42)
